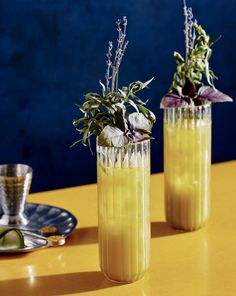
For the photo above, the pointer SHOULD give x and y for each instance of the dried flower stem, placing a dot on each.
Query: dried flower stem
(189, 30)
(109, 64)
(119, 53)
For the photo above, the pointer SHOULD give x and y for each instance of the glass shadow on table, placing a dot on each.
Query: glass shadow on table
(89, 235)
(162, 229)
(60, 284)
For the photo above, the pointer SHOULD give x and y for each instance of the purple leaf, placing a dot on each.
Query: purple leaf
(172, 101)
(138, 136)
(212, 95)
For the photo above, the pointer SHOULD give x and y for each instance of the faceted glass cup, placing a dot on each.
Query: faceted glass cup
(15, 181)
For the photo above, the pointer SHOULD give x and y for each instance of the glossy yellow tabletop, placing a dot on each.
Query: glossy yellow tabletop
(201, 263)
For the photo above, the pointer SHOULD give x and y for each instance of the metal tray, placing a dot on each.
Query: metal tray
(40, 215)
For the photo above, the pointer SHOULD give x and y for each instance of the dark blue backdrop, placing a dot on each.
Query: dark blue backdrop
(53, 51)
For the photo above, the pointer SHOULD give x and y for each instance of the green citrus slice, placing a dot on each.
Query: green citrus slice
(11, 238)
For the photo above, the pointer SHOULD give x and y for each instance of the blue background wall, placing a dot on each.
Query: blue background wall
(53, 51)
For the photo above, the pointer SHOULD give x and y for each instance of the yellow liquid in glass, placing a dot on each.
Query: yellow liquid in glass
(124, 222)
(187, 160)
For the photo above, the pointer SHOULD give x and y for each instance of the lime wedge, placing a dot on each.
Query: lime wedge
(11, 238)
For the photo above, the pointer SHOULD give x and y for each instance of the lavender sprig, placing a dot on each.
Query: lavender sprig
(119, 53)
(109, 64)
(189, 30)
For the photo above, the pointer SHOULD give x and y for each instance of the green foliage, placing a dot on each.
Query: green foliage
(113, 110)
(190, 72)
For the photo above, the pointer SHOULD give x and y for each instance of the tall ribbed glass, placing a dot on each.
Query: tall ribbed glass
(187, 166)
(123, 210)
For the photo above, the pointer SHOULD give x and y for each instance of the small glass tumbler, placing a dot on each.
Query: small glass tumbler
(15, 181)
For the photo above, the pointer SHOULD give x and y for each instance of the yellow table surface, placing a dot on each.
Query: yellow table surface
(194, 263)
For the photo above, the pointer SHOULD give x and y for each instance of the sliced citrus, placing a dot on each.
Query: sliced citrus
(11, 238)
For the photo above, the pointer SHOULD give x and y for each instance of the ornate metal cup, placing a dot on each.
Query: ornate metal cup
(15, 181)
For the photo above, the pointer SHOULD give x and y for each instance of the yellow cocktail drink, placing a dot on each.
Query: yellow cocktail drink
(187, 160)
(123, 212)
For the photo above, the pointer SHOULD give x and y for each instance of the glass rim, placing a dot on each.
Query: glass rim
(208, 104)
(130, 144)
(14, 168)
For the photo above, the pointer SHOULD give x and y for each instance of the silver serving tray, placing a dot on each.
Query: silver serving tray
(40, 215)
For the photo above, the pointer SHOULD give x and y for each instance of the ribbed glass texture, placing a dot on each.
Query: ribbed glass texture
(123, 210)
(187, 163)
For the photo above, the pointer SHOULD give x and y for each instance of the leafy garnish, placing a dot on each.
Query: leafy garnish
(113, 110)
(136, 128)
(108, 116)
(188, 79)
